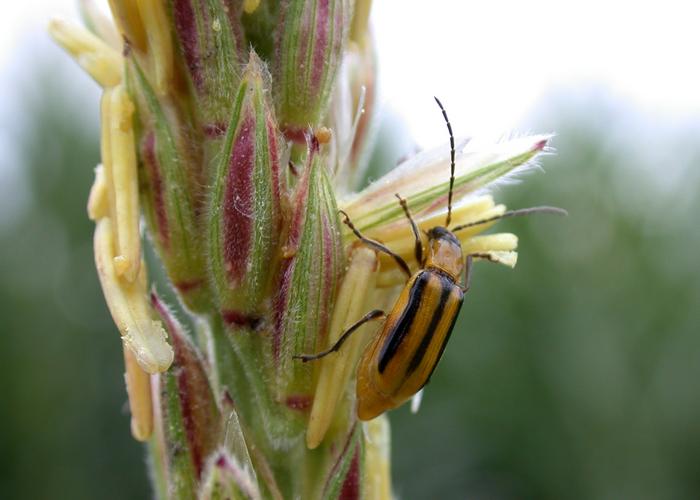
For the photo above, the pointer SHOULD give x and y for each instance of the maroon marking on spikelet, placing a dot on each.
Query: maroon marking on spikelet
(299, 402)
(336, 465)
(186, 286)
(239, 319)
(214, 130)
(295, 134)
(239, 203)
(163, 312)
(190, 377)
(351, 485)
(156, 180)
(313, 143)
(186, 28)
(328, 276)
(281, 297)
(181, 365)
(189, 408)
(323, 26)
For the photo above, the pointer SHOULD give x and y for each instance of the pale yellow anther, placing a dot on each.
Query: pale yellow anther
(98, 59)
(128, 19)
(377, 465)
(138, 388)
(506, 258)
(128, 304)
(250, 6)
(160, 48)
(106, 147)
(499, 242)
(98, 201)
(124, 183)
(354, 301)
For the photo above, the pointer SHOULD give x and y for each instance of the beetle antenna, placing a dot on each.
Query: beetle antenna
(515, 213)
(452, 162)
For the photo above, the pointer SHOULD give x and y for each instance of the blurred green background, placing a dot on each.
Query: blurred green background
(573, 376)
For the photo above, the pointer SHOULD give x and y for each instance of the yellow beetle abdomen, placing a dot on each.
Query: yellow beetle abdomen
(401, 359)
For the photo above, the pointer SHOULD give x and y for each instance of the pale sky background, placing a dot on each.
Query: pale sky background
(489, 61)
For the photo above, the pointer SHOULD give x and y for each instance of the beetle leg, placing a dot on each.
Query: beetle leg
(367, 317)
(414, 227)
(376, 245)
(468, 268)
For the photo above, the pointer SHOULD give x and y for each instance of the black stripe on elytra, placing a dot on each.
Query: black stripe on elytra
(444, 342)
(437, 316)
(403, 325)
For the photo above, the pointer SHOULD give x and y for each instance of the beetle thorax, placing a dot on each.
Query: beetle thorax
(444, 252)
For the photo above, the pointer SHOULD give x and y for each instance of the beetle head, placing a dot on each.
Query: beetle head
(444, 252)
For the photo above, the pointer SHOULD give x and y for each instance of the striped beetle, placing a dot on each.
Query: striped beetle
(400, 360)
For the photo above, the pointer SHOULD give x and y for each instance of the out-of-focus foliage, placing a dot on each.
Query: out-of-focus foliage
(571, 377)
